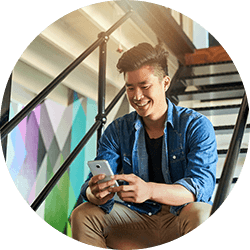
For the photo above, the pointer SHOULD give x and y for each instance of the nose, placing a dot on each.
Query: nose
(138, 94)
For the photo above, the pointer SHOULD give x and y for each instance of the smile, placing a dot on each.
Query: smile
(141, 104)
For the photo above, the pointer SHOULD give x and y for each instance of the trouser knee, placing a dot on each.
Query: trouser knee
(85, 212)
(193, 215)
(87, 224)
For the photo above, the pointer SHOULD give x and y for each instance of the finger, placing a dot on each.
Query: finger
(107, 198)
(106, 184)
(103, 194)
(127, 196)
(130, 178)
(122, 188)
(98, 188)
(96, 178)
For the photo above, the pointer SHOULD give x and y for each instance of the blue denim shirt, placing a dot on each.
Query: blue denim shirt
(189, 154)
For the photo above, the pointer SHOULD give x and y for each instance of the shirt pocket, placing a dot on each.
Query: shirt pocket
(127, 164)
(177, 164)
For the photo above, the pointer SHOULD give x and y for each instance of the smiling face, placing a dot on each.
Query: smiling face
(146, 93)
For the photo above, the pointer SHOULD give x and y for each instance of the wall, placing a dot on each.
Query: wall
(200, 36)
(39, 145)
(185, 22)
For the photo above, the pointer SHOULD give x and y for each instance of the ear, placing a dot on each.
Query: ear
(166, 82)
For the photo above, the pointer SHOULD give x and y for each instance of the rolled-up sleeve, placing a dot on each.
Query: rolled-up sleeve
(202, 157)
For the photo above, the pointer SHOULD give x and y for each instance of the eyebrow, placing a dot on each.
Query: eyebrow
(130, 84)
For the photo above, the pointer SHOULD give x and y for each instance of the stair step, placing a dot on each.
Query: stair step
(228, 129)
(235, 179)
(218, 93)
(200, 80)
(213, 68)
(224, 151)
(219, 110)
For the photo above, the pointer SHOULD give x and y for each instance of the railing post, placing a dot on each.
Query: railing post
(102, 84)
(232, 156)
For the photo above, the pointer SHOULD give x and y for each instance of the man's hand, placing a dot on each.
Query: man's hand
(137, 191)
(98, 193)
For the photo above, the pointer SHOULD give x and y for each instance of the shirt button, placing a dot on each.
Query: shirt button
(129, 205)
(149, 213)
(154, 204)
(174, 157)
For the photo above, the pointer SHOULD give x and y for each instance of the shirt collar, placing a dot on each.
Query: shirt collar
(139, 123)
(170, 114)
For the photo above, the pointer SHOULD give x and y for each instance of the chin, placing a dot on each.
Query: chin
(143, 114)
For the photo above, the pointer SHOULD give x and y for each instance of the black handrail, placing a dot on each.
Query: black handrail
(44, 193)
(232, 156)
(9, 126)
(102, 112)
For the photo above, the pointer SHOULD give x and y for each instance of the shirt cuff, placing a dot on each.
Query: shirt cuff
(84, 189)
(191, 186)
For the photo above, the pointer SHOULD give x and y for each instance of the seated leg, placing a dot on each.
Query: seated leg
(87, 224)
(123, 228)
(193, 215)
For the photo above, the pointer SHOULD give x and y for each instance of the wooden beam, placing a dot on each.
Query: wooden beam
(209, 55)
(161, 22)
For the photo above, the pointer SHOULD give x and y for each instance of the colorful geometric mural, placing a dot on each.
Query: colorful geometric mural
(39, 145)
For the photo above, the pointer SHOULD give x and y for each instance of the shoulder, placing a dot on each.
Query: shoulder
(126, 120)
(131, 117)
(187, 113)
(189, 119)
(123, 122)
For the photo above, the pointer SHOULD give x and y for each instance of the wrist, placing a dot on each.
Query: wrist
(91, 198)
(88, 193)
(151, 187)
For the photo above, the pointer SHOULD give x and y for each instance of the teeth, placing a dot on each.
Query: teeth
(141, 105)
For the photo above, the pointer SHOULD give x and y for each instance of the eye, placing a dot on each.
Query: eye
(146, 87)
(130, 88)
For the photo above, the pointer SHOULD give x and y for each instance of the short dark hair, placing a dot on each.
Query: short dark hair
(144, 54)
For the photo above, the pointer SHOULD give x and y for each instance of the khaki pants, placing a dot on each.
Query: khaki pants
(124, 228)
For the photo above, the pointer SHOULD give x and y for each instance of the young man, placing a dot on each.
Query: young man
(168, 158)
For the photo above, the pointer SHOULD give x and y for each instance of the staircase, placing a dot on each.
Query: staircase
(210, 84)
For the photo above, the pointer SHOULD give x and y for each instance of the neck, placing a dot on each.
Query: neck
(155, 127)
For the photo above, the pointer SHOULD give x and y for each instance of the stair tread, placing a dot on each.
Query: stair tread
(218, 107)
(234, 180)
(208, 64)
(211, 69)
(210, 75)
(224, 151)
(216, 89)
(227, 127)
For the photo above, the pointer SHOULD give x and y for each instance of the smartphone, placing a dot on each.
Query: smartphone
(101, 167)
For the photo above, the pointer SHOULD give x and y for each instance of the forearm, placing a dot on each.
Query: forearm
(170, 194)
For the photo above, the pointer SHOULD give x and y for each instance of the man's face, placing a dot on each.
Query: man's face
(146, 93)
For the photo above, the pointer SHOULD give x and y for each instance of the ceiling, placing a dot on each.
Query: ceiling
(64, 40)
